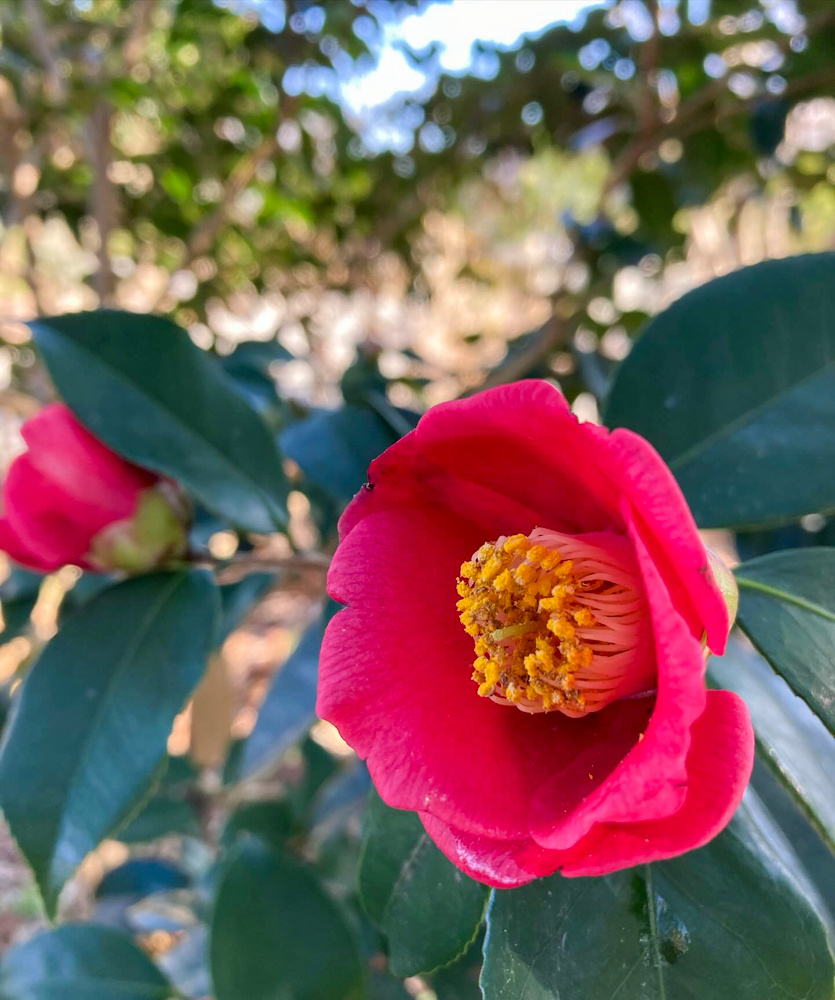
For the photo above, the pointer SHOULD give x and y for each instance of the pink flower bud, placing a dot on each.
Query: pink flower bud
(69, 499)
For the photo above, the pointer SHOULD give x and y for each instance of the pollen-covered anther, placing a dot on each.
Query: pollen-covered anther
(559, 622)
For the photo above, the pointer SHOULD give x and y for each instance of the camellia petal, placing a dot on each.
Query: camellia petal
(719, 765)
(43, 530)
(96, 483)
(651, 780)
(722, 735)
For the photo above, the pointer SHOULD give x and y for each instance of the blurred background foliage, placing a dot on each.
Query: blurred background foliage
(355, 250)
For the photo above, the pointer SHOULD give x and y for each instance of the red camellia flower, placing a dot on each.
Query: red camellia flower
(70, 499)
(521, 657)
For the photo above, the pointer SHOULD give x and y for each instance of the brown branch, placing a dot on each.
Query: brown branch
(12, 120)
(648, 62)
(810, 83)
(56, 85)
(304, 564)
(103, 198)
(134, 48)
(690, 110)
(203, 236)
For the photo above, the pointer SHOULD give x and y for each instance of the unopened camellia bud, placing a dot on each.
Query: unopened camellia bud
(69, 499)
(153, 536)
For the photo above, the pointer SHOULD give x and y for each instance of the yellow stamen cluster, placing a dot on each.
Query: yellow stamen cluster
(517, 602)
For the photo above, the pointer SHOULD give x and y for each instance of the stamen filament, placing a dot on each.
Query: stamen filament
(559, 622)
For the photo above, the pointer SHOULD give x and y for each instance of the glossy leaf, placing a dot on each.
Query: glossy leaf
(795, 742)
(81, 962)
(429, 911)
(459, 981)
(95, 713)
(341, 799)
(335, 447)
(271, 821)
(731, 921)
(19, 594)
(249, 367)
(384, 987)
(736, 372)
(168, 809)
(290, 704)
(238, 599)
(276, 933)
(787, 609)
(126, 375)
(142, 877)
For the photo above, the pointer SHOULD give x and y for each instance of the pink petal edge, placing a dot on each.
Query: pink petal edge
(719, 763)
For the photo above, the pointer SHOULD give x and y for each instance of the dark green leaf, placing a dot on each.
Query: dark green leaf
(95, 713)
(142, 877)
(385, 987)
(257, 356)
(18, 593)
(732, 921)
(429, 910)
(20, 583)
(767, 125)
(277, 934)
(795, 743)
(815, 854)
(169, 809)
(654, 198)
(81, 962)
(318, 767)
(734, 384)
(290, 704)
(145, 389)
(16, 616)
(459, 981)
(335, 448)
(249, 367)
(526, 356)
(238, 599)
(787, 609)
(340, 800)
(399, 421)
(270, 821)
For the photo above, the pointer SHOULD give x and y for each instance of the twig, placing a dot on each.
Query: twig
(235, 569)
(42, 44)
(103, 199)
(203, 236)
(691, 109)
(552, 335)
(648, 64)
(134, 48)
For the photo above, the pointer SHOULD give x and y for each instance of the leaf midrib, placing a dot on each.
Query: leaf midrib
(745, 418)
(405, 873)
(125, 660)
(190, 433)
(747, 583)
(653, 932)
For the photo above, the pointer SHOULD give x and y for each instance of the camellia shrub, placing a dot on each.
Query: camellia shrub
(554, 690)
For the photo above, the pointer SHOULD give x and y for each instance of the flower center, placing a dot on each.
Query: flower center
(560, 622)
